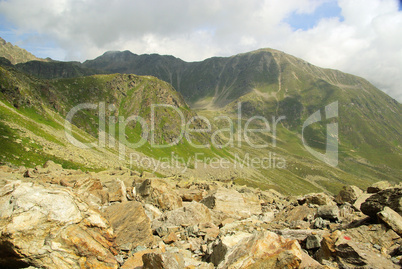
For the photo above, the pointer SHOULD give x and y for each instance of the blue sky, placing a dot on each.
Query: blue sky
(362, 37)
(305, 21)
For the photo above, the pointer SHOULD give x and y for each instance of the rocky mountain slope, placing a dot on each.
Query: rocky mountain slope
(61, 218)
(16, 54)
(270, 83)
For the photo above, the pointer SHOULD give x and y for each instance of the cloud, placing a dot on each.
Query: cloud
(365, 38)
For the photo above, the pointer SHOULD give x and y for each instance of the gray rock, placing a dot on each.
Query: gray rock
(350, 254)
(330, 212)
(360, 200)
(393, 219)
(348, 194)
(376, 203)
(313, 242)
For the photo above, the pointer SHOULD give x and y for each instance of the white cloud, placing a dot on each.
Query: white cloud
(367, 42)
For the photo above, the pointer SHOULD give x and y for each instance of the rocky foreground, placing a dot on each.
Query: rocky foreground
(51, 217)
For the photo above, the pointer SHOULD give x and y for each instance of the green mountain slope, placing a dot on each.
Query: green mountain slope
(272, 83)
(33, 113)
(269, 84)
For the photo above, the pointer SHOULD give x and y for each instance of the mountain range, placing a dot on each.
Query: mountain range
(36, 97)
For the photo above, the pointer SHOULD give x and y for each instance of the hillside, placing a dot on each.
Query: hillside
(56, 69)
(16, 54)
(269, 85)
(33, 113)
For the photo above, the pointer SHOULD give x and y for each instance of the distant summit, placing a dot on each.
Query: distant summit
(16, 54)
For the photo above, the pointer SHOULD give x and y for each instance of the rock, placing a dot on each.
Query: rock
(327, 250)
(231, 202)
(375, 234)
(320, 223)
(191, 263)
(170, 238)
(348, 194)
(393, 219)
(191, 214)
(152, 261)
(351, 254)
(209, 230)
(267, 217)
(30, 173)
(117, 190)
(52, 228)
(297, 213)
(379, 186)
(152, 211)
(300, 235)
(225, 245)
(89, 189)
(189, 195)
(259, 250)
(376, 203)
(130, 223)
(330, 212)
(158, 193)
(252, 202)
(309, 263)
(165, 260)
(52, 167)
(313, 242)
(135, 261)
(361, 199)
(317, 199)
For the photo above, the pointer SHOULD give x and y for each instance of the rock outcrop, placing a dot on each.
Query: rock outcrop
(51, 217)
(51, 227)
(391, 198)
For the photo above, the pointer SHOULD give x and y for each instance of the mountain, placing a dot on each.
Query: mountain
(218, 79)
(271, 83)
(218, 99)
(56, 69)
(33, 115)
(16, 54)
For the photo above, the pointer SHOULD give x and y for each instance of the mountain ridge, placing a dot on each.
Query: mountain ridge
(16, 54)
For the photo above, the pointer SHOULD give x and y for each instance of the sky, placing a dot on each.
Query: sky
(361, 37)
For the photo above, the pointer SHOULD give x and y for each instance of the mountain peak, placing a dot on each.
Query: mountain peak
(16, 54)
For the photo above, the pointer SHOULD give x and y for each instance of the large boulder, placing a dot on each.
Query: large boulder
(329, 212)
(379, 186)
(158, 193)
(393, 219)
(259, 250)
(348, 194)
(232, 203)
(317, 199)
(50, 227)
(391, 198)
(117, 190)
(130, 223)
(190, 214)
(359, 201)
(352, 254)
